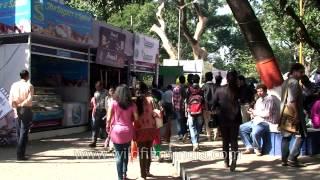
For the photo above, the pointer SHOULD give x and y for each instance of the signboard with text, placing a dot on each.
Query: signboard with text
(15, 16)
(111, 48)
(146, 50)
(56, 20)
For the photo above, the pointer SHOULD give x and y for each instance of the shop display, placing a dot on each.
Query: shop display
(74, 114)
(47, 108)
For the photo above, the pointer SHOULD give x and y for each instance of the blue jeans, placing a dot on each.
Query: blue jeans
(295, 151)
(181, 125)
(122, 158)
(23, 124)
(252, 134)
(195, 123)
(98, 125)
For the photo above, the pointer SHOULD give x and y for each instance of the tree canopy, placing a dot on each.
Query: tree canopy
(221, 36)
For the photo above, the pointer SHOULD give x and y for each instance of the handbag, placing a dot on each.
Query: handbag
(287, 116)
(157, 114)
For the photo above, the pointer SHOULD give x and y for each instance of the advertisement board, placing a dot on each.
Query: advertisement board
(15, 16)
(111, 48)
(146, 50)
(56, 20)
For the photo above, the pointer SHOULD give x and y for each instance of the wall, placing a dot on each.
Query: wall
(13, 59)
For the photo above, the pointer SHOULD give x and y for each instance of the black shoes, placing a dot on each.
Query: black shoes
(233, 166)
(22, 158)
(92, 145)
(296, 164)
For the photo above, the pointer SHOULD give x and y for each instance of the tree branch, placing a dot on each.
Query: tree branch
(160, 31)
(184, 26)
(160, 18)
(201, 25)
(302, 30)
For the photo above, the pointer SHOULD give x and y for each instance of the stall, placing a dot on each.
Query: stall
(54, 46)
(113, 47)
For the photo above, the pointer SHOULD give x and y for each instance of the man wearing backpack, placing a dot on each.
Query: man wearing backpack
(208, 90)
(195, 104)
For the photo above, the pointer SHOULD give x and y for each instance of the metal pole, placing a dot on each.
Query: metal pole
(179, 32)
(301, 44)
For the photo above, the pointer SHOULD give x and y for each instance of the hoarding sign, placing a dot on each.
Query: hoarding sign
(146, 49)
(15, 16)
(111, 48)
(57, 20)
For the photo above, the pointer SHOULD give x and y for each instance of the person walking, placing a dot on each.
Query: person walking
(168, 110)
(226, 99)
(208, 90)
(294, 100)
(178, 99)
(145, 128)
(246, 96)
(195, 103)
(120, 118)
(109, 99)
(100, 112)
(20, 99)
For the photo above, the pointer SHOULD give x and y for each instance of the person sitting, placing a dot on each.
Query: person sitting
(265, 112)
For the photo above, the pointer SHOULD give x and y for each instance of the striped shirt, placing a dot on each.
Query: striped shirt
(178, 97)
(266, 110)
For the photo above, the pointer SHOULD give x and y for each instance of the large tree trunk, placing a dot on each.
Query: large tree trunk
(198, 51)
(161, 32)
(258, 44)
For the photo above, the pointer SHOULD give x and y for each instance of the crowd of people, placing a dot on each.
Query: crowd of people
(125, 115)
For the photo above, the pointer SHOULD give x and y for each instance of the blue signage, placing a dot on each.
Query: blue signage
(53, 19)
(15, 16)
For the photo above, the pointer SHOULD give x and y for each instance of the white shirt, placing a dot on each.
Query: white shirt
(21, 94)
(265, 110)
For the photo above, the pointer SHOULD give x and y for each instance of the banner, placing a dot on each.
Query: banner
(15, 16)
(7, 120)
(57, 20)
(5, 107)
(111, 48)
(146, 49)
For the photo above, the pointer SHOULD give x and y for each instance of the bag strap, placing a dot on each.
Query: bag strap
(284, 97)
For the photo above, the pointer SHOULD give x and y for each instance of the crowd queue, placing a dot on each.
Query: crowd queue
(132, 116)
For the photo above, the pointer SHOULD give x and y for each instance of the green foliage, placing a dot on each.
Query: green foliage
(103, 9)
(282, 30)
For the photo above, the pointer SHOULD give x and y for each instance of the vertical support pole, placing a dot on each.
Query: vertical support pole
(179, 34)
(301, 44)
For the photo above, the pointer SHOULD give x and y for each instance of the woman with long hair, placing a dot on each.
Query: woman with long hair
(145, 128)
(226, 102)
(121, 115)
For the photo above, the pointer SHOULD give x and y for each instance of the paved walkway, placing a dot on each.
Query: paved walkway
(208, 164)
(69, 158)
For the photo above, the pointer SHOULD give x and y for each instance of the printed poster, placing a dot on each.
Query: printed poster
(111, 48)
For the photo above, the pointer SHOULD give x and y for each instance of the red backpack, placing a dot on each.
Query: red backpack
(195, 101)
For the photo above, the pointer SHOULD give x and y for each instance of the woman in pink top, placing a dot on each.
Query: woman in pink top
(145, 128)
(121, 116)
